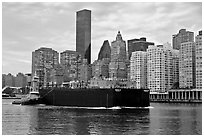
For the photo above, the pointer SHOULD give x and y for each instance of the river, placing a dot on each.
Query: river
(158, 119)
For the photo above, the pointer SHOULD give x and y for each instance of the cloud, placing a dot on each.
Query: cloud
(28, 26)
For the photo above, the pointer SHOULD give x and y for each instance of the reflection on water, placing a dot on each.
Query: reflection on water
(161, 119)
(87, 121)
(177, 119)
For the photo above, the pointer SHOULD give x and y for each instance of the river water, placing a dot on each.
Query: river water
(158, 119)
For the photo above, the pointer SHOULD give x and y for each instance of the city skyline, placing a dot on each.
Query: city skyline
(29, 26)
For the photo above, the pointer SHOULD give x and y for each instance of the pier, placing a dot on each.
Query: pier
(177, 95)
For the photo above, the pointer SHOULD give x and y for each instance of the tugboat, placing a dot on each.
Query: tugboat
(33, 97)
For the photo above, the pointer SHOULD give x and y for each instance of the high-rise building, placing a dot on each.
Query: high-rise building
(162, 67)
(83, 34)
(187, 65)
(43, 61)
(118, 64)
(105, 51)
(198, 47)
(156, 69)
(138, 68)
(20, 80)
(181, 37)
(138, 45)
(70, 61)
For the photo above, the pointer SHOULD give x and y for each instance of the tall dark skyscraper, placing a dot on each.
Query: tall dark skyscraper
(138, 45)
(83, 34)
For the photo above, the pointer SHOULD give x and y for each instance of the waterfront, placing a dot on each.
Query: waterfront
(160, 119)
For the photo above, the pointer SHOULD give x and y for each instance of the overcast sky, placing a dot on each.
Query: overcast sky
(29, 26)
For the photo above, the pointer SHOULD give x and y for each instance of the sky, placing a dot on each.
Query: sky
(28, 26)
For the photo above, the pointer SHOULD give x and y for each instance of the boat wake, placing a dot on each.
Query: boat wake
(93, 108)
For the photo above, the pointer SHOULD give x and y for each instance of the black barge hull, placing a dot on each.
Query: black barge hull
(95, 97)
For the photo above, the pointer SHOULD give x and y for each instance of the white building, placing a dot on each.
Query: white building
(162, 67)
(138, 69)
(198, 47)
(156, 69)
(187, 65)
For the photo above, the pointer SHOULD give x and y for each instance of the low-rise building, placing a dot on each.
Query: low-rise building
(20, 80)
(9, 80)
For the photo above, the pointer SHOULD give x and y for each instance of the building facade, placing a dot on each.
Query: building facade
(56, 76)
(100, 68)
(175, 63)
(181, 37)
(118, 63)
(85, 71)
(198, 50)
(43, 61)
(168, 66)
(187, 65)
(70, 61)
(138, 45)
(83, 34)
(138, 69)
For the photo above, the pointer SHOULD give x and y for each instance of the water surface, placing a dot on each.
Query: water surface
(160, 119)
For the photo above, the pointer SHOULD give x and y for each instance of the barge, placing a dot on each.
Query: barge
(91, 97)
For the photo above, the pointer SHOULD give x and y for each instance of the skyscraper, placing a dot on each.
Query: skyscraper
(118, 66)
(181, 37)
(138, 45)
(198, 42)
(83, 34)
